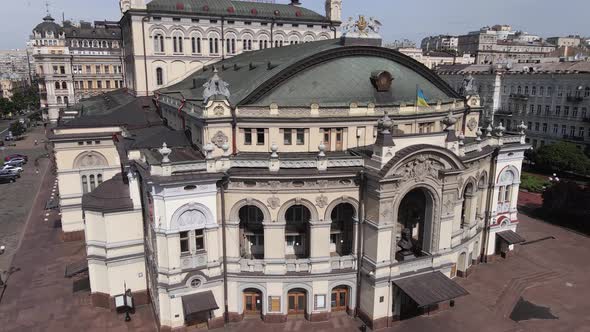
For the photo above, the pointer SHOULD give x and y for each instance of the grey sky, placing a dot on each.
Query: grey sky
(401, 18)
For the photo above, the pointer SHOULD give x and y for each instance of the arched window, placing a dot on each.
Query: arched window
(297, 218)
(505, 187)
(99, 178)
(57, 86)
(104, 44)
(92, 182)
(213, 45)
(66, 100)
(86, 44)
(177, 42)
(64, 85)
(252, 232)
(84, 184)
(59, 99)
(519, 90)
(159, 76)
(94, 44)
(196, 45)
(230, 45)
(159, 43)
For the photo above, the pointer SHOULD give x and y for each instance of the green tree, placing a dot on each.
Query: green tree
(17, 128)
(562, 157)
(6, 106)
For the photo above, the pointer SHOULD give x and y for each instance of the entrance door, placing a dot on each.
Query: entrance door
(328, 138)
(297, 304)
(339, 300)
(252, 303)
(339, 139)
(408, 308)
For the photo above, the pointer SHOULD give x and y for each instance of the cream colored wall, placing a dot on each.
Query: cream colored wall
(90, 130)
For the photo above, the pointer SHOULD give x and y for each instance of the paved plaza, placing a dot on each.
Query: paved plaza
(551, 273)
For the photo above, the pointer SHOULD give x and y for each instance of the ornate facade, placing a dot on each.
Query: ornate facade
(75, 62)
(167, 40)
(301, 181)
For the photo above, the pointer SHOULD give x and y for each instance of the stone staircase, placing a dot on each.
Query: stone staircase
(516, 286)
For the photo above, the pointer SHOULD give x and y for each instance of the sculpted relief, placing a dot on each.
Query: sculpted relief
(420, 168)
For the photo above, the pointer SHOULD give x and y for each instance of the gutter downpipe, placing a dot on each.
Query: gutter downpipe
(360, 235)
(143, 20)
(224, 181)
(484, 248)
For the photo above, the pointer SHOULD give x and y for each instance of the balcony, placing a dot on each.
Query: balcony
(575, 99)
(573, 138)
(519, 96)
(504, 112)
(586, 119)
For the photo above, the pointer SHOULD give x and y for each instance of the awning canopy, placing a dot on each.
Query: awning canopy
(199, 302)
(511, 237)
(76, 268)
(430, 288)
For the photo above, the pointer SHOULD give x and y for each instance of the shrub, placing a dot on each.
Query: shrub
(533, 183)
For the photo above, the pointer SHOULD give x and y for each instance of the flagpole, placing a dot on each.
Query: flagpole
(416, 109)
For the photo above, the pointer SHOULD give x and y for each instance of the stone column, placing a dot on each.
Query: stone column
(319, 248)
(274, 247)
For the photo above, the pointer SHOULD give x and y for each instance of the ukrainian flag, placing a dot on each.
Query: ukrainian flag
(421, 100)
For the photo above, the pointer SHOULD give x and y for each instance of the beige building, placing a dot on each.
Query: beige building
(275, 188)
(551, 99)
(434, 59)
(166, 40)
(500, 44)
(569, 41)
(75, 62)
(10, 84)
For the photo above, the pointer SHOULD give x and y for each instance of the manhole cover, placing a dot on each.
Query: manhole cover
(525, 310)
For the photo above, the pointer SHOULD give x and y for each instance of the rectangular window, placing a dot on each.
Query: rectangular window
(532, 109)
(539, 107)
(108, 84)
(581, 132)
(572, 131)
(199, 240)
(62, 69)
(97, 69)
(566, 111)
(116, 84)
(55, 69)
(106, 69)
(547, 110)
(287, 136)
(248, 136)
(99, 84)
(184, 245)
(300, 136)
(195, 20)
(536, 126)
(175, 19)
(557, 110)
(88, 70)
(260, 136)
(575, 112)
(90, 86)
(555, 128)
(544, 127)
(563, 130)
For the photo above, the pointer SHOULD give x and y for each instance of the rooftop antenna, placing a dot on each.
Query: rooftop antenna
(47, 7)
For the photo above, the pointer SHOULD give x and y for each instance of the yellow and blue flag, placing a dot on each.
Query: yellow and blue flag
(421, 99)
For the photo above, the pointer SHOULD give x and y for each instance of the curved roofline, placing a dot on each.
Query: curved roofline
(342, 52)
(410, 151)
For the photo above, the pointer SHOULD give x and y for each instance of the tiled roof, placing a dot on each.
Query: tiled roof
(324, 72)
(110, 196)
(230, 9)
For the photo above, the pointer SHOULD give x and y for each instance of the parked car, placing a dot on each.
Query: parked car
(9, 138)
(17, 155)
(11, 167)
(17, 162)
(6, 176)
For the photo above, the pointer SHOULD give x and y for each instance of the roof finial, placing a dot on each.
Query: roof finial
(47, 7)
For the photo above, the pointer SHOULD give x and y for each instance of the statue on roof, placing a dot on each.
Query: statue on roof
(361, 27)
(215, 86)
(468, 87)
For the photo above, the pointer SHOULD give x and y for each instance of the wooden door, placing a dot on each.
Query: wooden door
(339, 139)
(339, 300)
(297, 304)
(328, 139)
(252, 303)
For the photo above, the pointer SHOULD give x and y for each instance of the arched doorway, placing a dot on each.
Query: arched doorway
(251, 232)
(297, 302)
(340, 298)
(415, 215)
(461, 265)
(297, 240)
(253, 302)
(467, 208)
(341, 229)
